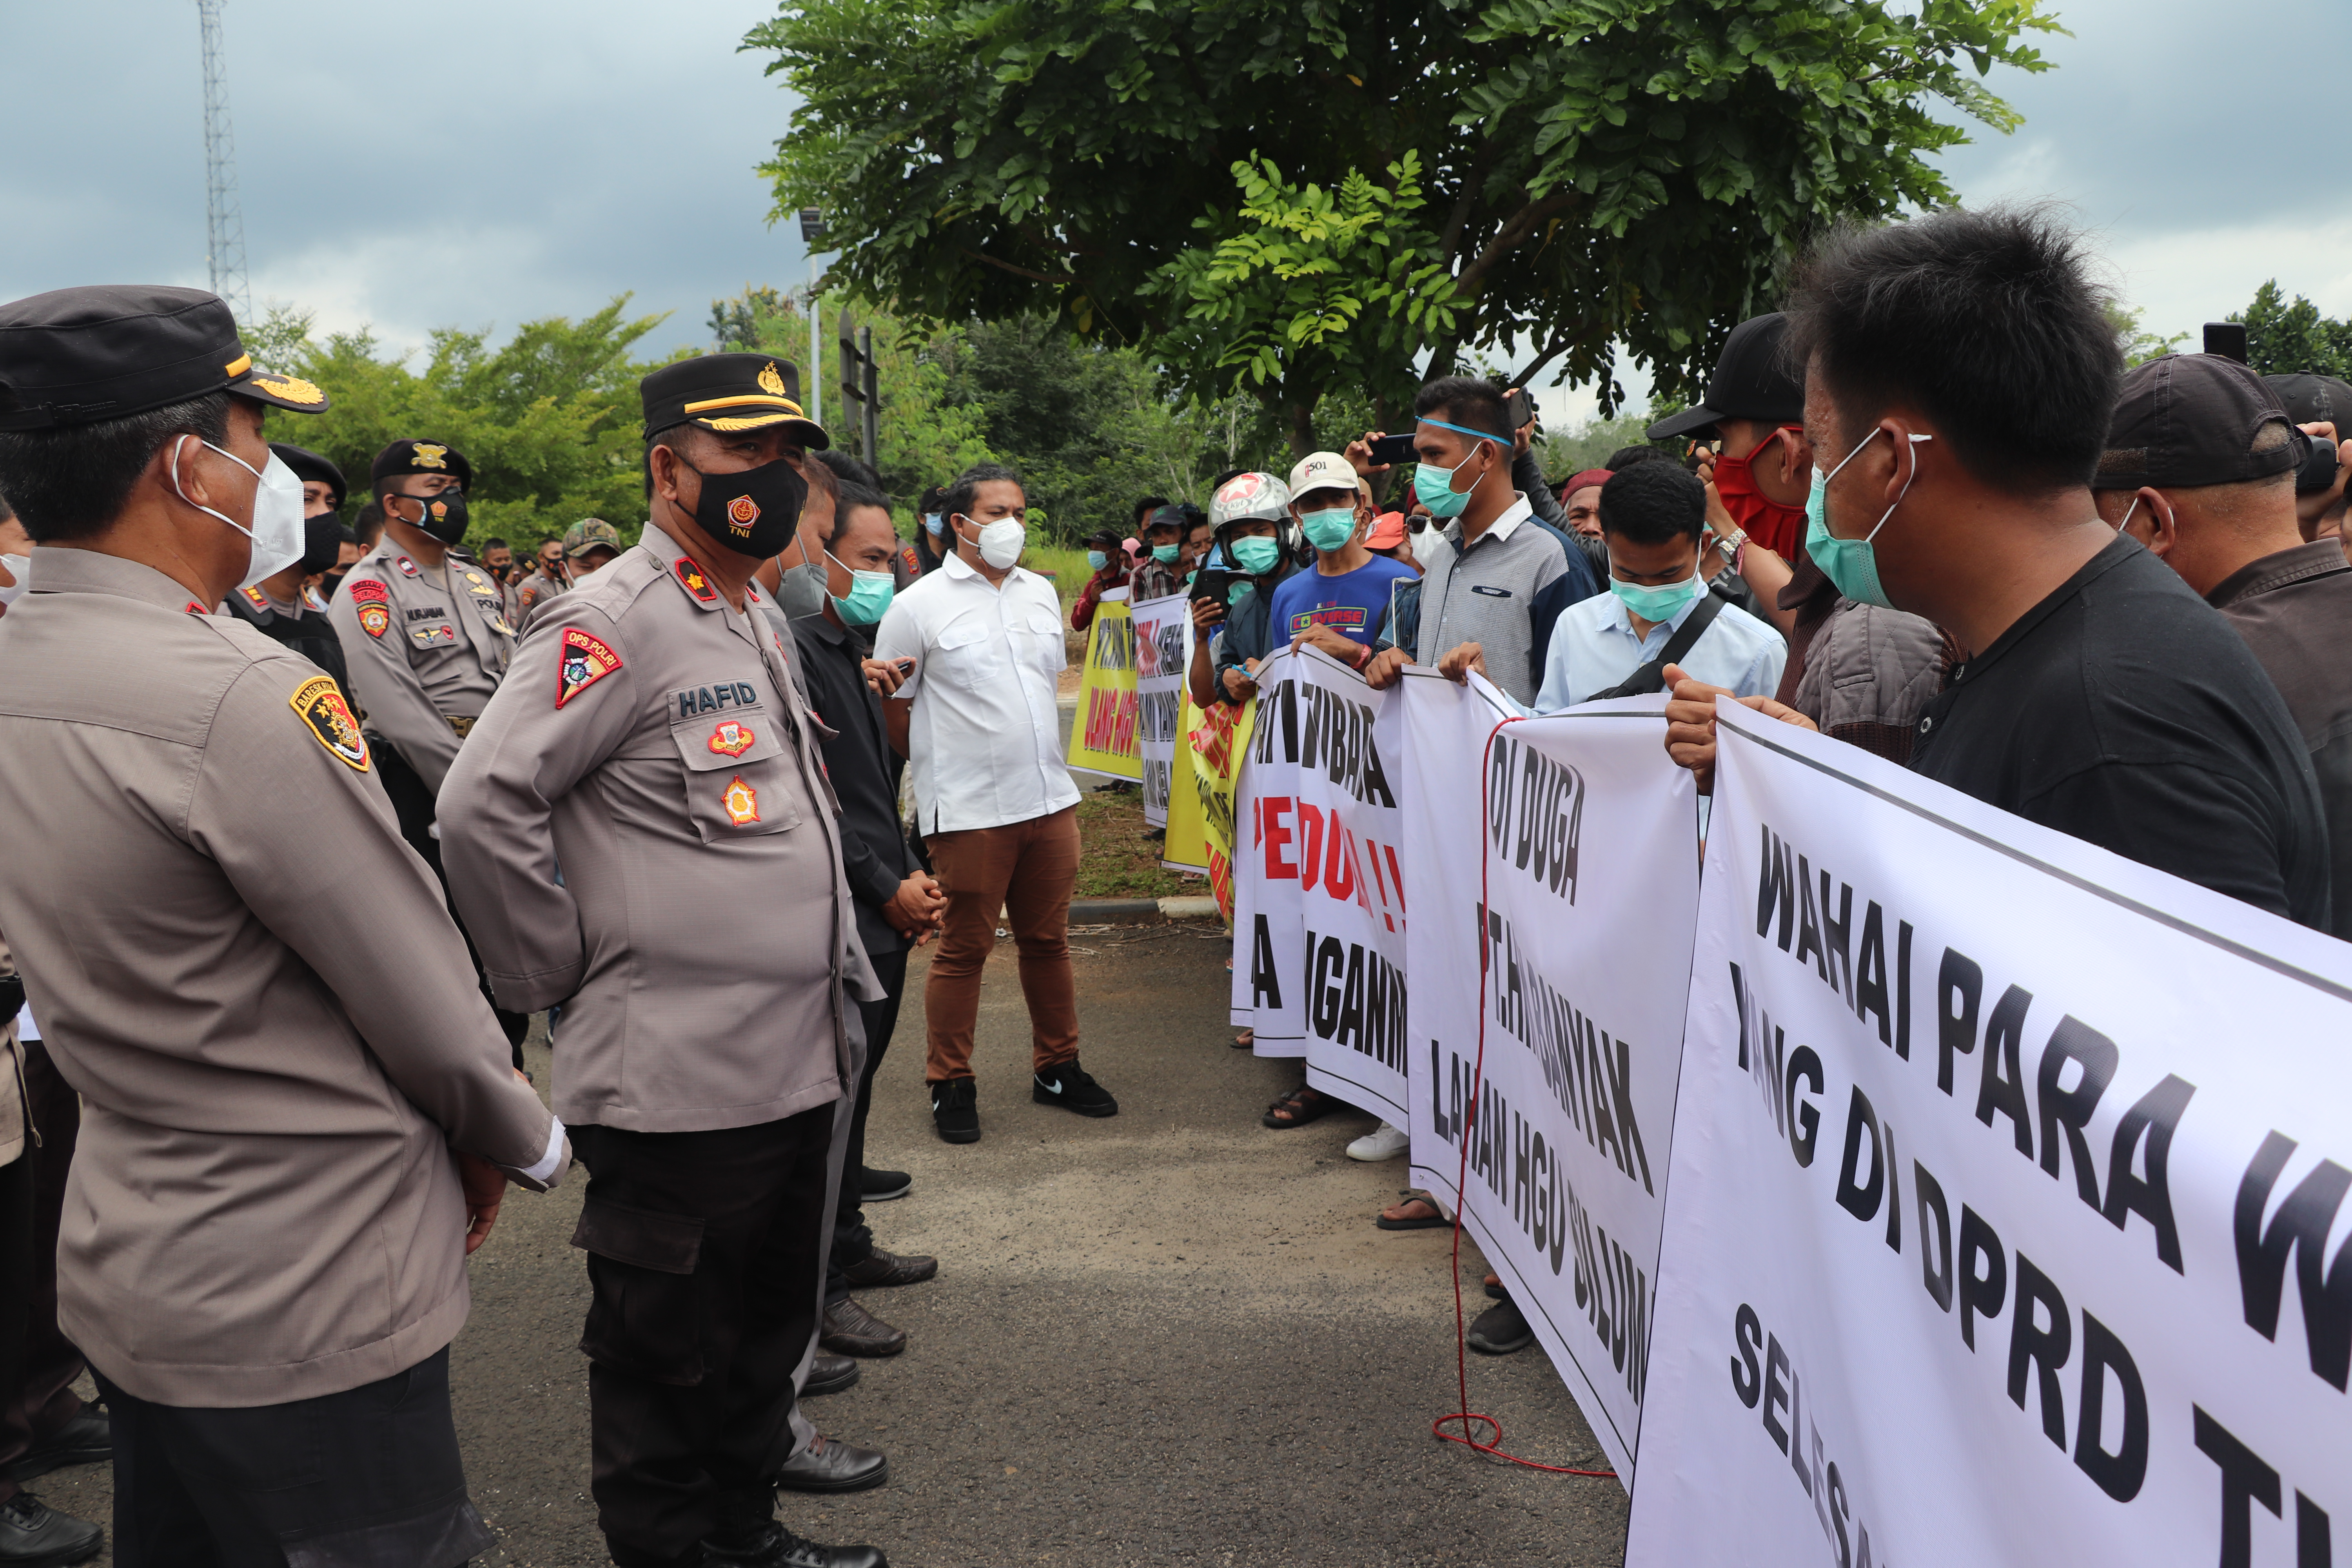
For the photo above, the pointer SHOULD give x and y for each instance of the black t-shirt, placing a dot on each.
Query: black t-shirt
(2124, 711)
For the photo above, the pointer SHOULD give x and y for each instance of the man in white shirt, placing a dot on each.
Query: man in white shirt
(982, 643)
(1653, 516)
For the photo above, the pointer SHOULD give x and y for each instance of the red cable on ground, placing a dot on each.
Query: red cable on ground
(1463, 1415)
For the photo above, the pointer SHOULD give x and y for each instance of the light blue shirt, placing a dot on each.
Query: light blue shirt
(1593, 648)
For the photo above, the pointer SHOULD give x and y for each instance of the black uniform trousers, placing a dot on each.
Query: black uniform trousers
(852, 1239)
(706, 1260)
(370, 1475)
(413, 803)
(38, 1363)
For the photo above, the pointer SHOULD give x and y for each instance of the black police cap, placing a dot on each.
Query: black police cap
(728, 393)
(309, 466)
(77, 356)
(410, 456)
(1753, 379)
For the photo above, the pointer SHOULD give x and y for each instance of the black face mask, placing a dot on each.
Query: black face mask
(755, 513)
(322, 541)
(444, 515)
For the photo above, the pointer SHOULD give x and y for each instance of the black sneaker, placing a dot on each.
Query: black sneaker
(1500, 1330)
(880, 1187)
(1072, 1088)
(955, 1109)
(34, 1535)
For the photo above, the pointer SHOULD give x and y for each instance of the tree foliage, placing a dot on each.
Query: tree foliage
(1582, 177)
(548, 418)
(2282, 339)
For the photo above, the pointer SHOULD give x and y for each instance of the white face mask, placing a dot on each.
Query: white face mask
(20, 567)
(1425, 542)
(277, 530)
(1001, 542)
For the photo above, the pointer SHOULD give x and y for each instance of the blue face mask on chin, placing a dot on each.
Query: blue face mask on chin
(1852, 565)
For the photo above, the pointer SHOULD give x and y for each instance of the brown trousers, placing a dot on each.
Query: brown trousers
(1029, 870)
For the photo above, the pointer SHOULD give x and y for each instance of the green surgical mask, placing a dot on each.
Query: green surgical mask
(1329, 528)
(869, 595)
(1850, 564)
(1661, 603)
(1166, 554)
(1256, 554)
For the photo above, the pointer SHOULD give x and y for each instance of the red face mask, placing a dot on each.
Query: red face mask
(1780, 529)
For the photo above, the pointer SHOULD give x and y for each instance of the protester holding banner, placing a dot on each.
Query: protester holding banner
(1960, 374)
(1107, 558)
(993, 796)
(1339, 606)
(1160, 572)
(2201, 468)
(1251, 512)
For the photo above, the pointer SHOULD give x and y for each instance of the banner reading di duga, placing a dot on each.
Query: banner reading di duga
(2007, 1208)
(1576, 888)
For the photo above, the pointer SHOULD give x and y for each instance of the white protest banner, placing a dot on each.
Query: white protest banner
(1269, 905)
(1350, 740)
(2005, 1179)
(1586, 923)
(1163, 647)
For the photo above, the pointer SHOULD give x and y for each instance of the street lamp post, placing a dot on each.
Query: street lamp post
(812, 233)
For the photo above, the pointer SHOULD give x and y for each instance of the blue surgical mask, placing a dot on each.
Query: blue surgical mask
(1096, 560)
(1257, 554)
(1851, 564)
(935, 523)
(1329, 528)
(869, 595)
(1661, 603)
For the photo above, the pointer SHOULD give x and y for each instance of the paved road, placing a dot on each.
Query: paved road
(1173, 1337)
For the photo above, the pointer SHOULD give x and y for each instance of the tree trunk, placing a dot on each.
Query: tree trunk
(1302, 430)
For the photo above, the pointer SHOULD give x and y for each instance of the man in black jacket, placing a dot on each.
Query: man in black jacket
(287, 607)
(898, 903)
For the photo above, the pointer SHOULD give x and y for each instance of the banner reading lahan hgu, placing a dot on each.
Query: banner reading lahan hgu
(2005, 1216)
(1163, 646)
(1585, 928)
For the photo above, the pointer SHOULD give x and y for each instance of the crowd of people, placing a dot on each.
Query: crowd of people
(259, 1103)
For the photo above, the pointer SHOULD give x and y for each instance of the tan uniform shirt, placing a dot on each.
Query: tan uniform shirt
(650, 741)
(425, 646)
(277, 1046)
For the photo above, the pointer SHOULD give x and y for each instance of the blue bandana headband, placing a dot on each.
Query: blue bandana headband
(1461, 430)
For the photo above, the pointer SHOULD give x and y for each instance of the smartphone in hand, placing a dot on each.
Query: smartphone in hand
(1390, 450)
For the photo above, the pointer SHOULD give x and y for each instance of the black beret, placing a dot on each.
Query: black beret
(309, 464)
(76, 356)
(415, 456)
(728, 393)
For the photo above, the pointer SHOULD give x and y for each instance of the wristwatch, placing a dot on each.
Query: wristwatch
(1729, 547)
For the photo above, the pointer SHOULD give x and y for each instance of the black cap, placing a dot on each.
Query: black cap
(1166, 517)
(2309, 398)
(75, 356)
(415, 456)
(307, 465)
(2193, 419)
(1753, 379)
(1108, 538)
(728, 393)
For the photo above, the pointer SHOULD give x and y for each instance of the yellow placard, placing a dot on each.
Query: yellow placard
(1201, 806)
(1103, 738)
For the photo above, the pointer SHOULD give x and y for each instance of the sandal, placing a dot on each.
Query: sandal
(1395, 1218)
(1246, 1040)
(1304, 1104)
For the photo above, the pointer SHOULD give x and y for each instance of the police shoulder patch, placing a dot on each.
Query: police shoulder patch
(192, 608)
(366, 591)
(408, 568)
(690, 576)
(585, 660)
(255, 597)
(319, 702)
(374, 618)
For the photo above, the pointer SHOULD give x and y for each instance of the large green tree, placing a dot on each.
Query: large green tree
(1294, 196)
(2282, 338)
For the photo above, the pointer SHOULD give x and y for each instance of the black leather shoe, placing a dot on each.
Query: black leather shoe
(84, 1440)
(880, 1268)
(34, 1535)
(826, 1466)
(851, 1330)
(955, 1109)
(776, 1547)
(830, 1373)
(1072, 1088)
(880, 1187)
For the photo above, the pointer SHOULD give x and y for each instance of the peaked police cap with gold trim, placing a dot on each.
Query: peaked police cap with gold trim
(728, 393)
(76, 356)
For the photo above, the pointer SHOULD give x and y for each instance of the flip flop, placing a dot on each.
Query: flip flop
(1434, 1220)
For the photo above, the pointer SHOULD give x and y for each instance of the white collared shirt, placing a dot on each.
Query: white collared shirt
(985, 736)
(1593, 648)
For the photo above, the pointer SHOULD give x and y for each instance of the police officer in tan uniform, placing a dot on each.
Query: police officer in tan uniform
(289, 1141)
(704, 945)
(424, 632)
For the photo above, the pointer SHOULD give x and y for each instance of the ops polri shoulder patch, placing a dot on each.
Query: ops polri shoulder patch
(584, 661)
(319, 703)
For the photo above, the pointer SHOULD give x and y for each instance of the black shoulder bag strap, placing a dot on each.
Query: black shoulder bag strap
(1652, 676)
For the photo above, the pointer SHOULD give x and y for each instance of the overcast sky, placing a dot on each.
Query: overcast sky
(436, 163)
